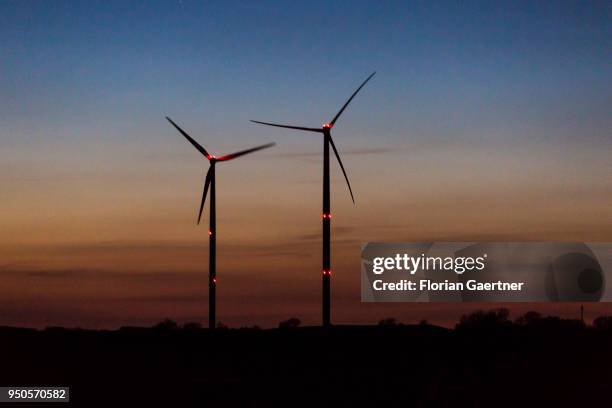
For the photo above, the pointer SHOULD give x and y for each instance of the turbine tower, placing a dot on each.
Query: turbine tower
(326, 215)
(209, 182)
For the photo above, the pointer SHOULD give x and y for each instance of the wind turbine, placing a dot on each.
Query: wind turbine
(327, 140)
(209, 182)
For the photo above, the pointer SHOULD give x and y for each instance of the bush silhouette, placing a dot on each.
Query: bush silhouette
(166, 324)
(603, 323)
(254, 327)
(290, 323)
(388, 321)
(192, 326)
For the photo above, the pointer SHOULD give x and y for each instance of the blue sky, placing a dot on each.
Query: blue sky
(444, 67)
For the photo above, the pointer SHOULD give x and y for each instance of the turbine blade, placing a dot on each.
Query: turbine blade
(193, 142)
(342, 167)
(206, 185)
(289, 127)
(243, 152)
(350, 99)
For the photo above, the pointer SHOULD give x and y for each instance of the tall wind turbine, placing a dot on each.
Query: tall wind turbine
(327, 140)
(209, 182)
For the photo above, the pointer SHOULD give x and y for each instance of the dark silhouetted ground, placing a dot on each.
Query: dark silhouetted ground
(550, 363)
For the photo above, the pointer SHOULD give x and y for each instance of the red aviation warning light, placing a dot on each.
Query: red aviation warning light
(209, 183)
(325, 129)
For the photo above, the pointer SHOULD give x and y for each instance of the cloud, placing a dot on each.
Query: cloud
(290, 246)
(336, 231)
(165, 298)
(343, 152)
(94, 274)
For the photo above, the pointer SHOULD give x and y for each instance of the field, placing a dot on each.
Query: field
(416, 365)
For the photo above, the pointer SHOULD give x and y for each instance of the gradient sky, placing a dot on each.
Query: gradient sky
(486, 120)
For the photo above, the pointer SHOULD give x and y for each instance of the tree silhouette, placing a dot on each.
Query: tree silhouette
(490, 319)
(529, 319)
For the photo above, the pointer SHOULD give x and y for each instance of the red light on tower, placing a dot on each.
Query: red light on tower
(209, 184)
(325, 130)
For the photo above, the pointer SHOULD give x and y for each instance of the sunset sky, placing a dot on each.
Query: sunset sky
(485, 121)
